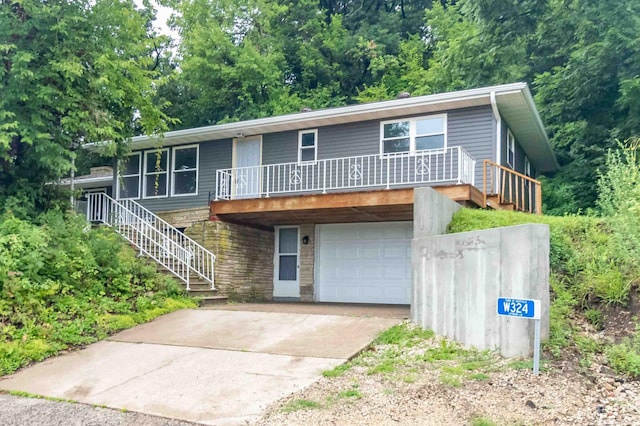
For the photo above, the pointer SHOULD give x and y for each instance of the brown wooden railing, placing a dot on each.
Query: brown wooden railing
(510, 187)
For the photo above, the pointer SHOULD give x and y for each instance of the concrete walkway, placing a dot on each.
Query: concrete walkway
(214, 366)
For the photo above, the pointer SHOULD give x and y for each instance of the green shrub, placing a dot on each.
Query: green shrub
(625, 357)
(64, 284)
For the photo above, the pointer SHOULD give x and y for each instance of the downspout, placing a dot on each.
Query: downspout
(496, 115)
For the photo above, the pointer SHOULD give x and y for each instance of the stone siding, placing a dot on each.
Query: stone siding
(186, 217)
(244, 258)
(307, 256)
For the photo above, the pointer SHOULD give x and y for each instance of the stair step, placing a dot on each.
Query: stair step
(202, 292)
(211, 300)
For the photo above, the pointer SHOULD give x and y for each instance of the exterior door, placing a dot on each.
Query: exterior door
(286, 281)
(247, 156)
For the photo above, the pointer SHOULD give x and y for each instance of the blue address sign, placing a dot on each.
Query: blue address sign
(523, 308)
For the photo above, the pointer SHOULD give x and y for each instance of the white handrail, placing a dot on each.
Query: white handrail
(154, 237)
(452, 164)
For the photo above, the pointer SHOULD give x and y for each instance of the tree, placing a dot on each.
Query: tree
(71, 71)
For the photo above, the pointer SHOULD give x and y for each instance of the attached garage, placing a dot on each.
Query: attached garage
(364, 262)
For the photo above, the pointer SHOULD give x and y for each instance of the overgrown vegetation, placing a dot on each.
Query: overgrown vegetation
(594, 261)
(63, 284)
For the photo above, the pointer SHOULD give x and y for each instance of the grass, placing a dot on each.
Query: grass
(36, 396)
(482, 421)
(337, 371)
(300, 404)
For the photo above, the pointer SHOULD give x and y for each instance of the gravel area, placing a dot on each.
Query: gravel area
(21, 411)
(453, 392)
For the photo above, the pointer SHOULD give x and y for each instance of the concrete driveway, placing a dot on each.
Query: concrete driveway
(214, 366)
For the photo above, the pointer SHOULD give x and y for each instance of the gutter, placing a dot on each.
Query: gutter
(498, 118)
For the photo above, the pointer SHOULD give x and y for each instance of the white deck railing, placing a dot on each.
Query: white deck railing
(154, 237)
(452, 165)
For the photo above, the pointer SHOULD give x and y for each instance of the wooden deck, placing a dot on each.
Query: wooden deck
(342, 207)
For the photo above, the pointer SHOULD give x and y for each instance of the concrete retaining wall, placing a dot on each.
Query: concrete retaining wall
(457, 279)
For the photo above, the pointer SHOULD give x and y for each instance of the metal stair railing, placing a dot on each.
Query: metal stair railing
(154, 237)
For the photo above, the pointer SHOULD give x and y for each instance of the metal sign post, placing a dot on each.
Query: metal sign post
(529, 309)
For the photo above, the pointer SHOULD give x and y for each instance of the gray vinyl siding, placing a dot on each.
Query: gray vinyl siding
(471, 128)
(474, 130)
(213, 155)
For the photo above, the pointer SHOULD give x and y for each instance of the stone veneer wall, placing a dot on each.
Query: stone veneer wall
(185, 217)
(244, 258)
(244, 255)
(307, 262)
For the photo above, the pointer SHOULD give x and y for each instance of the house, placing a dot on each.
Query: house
(318, 205)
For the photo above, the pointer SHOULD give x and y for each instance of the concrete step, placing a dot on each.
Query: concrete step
(211, 300)
(202, 292)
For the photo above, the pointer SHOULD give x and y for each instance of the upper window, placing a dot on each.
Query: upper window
(413, 134)
(308, 145)
(156, 173)
(185, 170)
(129, 177)
(511, 150)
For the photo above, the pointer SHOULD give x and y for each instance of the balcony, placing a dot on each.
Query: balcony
(448, 166)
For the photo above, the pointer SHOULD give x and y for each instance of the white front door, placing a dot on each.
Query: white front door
(247, 157)
(286, 282)
(364, 262)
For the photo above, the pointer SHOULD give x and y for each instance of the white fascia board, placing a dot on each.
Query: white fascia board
(310, 119)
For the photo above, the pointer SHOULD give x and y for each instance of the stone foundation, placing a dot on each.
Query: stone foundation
(307, 256)
(186, 217)
(244, 258)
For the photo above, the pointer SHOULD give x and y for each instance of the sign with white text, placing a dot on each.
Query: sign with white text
(524, 308)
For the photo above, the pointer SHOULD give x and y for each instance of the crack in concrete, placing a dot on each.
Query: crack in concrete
(146, 373)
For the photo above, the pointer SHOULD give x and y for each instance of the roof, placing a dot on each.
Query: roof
(514, 101)
(98, 177)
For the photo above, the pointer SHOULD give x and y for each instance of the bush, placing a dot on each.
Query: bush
(65, 284)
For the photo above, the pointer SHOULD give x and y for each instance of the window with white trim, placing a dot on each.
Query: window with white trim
(307, 145)
(156, 173)
(527, 167)
(129, 177)
(511, 150)
(184, 170)
(413, 134)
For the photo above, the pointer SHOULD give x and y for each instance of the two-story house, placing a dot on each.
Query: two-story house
(318, 205)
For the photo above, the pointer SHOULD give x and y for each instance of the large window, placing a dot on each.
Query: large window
(129, 177)
(511, 150)
(308, 145)
(185, 170)
(413, 134)
(156, 173)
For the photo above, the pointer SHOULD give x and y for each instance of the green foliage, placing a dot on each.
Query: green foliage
(62, 285)
(73, 72)
(403, 335)
(482, 421)
(300, 404)
(625, 357)
(337, 371)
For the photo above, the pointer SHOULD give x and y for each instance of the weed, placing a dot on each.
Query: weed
(625, 357)
(595, 318)
(350, 393)
(300, 404)
(337, 371)
(482, 421)
(403, 335)
(447, 350)
(452, 380)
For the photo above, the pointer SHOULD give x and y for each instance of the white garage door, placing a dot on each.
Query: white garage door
(364, 262)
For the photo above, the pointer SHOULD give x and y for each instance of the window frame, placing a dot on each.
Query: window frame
(120, 178)
(173, 169)
(413, 135)
(314, 147)
(527, 167)
(145, 174)
(511, 149)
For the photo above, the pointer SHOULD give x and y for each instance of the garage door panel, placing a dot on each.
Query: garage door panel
(364, 263)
